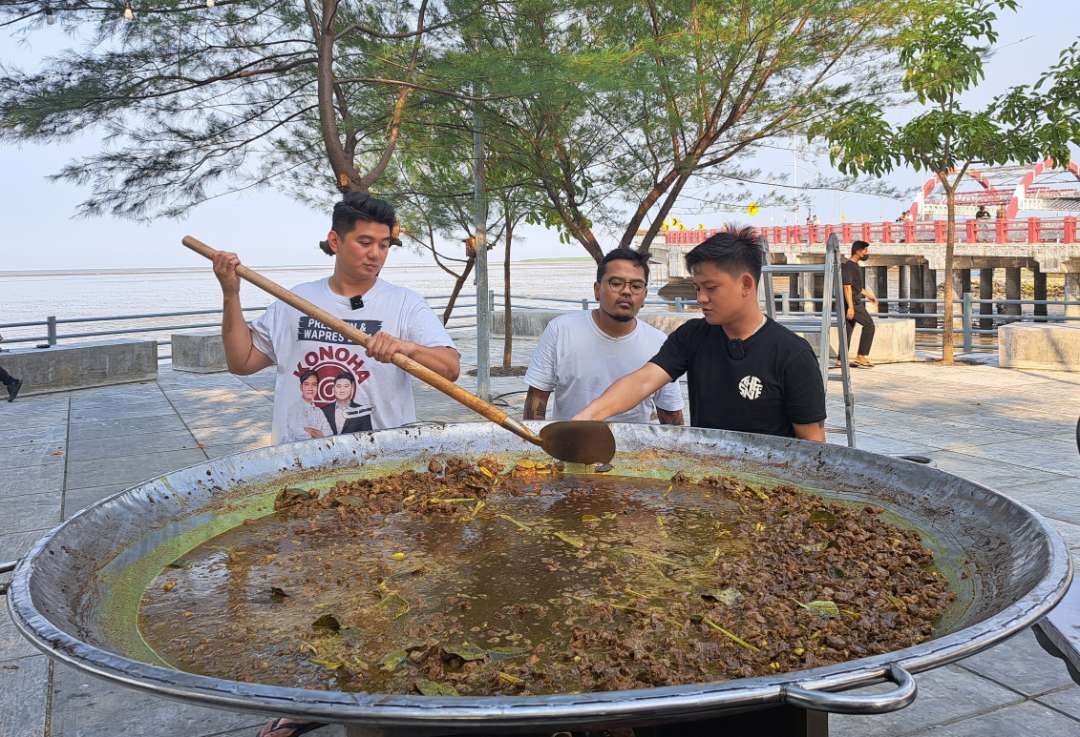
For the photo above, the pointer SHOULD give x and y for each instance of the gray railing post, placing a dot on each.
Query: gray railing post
(585, 304)
(678, 304)
(491, 301)
(785, 304)
(51, 328)
(965, 312)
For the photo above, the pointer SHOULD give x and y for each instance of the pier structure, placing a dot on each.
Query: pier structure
(1011, 218)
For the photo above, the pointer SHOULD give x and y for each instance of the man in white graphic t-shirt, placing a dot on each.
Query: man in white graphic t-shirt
(304, 349)
(583, 353)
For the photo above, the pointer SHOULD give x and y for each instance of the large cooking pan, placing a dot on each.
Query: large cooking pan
(73, 595)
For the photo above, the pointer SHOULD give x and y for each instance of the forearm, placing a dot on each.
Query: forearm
(668, 417)
(625, 393)
(442, 360)
(536, 404)
(849, 301)
(810, 431)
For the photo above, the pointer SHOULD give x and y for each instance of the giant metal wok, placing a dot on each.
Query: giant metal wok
(75, 594)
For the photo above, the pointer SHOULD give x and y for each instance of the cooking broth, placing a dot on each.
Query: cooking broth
(473, 578)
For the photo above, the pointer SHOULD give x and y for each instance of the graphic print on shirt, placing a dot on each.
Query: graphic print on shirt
(750, 387)
(339, 368)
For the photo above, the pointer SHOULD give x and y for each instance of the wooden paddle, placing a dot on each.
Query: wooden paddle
(574, 442)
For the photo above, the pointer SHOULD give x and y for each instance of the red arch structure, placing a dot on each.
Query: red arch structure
(1015, 191)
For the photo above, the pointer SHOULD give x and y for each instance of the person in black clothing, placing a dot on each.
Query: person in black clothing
(13, 385)
(856, 295)
(745, 371)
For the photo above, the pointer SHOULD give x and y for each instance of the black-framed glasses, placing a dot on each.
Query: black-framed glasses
(615, 284)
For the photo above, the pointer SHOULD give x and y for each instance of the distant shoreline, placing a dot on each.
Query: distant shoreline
(151, 270)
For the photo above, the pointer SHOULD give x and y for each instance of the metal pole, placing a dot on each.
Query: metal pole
(50, 322)
(483, 311)
(832, 250)
(966, 313)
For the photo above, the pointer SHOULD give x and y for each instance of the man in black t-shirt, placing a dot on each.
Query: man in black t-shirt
(856, 295)
(745, 371)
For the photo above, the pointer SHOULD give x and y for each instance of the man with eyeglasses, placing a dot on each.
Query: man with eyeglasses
(745, 371)
(581, 354)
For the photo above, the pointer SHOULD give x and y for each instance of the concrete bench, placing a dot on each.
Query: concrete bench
(82, 365)
(894, 341)
(200, 353)
(1039, 345)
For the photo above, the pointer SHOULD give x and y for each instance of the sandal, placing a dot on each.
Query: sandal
(285, 727)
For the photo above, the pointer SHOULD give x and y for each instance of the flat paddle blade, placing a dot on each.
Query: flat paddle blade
(585, 441)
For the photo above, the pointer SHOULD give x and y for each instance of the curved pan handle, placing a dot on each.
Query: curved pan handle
(5, 567)
(839, 703)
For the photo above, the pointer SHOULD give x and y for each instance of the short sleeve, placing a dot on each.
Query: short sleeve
(424, 327)
(677, 351)
(804, 392)
(846, 275)
(263, 328)
(543, 365)
(669, 397)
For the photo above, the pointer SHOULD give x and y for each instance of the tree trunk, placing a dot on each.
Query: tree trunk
(950, 242)
(508, 319)
(457, 289)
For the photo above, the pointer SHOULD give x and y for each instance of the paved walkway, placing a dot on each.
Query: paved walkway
(1011, 430)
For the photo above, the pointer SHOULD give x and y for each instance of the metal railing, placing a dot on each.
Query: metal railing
(971, 322)
(968, 320)
(53, 336)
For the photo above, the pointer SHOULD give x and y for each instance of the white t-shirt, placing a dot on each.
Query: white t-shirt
(299, 344)
(577, 361)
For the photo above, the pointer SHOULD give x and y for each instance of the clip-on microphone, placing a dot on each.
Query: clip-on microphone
(356, 302)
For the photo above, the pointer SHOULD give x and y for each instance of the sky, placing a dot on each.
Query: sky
(38, 229)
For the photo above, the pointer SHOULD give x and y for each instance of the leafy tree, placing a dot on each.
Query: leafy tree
(942, 53)
(198, 101)
(637, 100)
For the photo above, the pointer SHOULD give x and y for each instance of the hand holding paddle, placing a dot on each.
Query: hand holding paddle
(574, 442)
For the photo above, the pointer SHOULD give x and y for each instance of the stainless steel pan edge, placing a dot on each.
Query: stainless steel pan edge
(430, 715)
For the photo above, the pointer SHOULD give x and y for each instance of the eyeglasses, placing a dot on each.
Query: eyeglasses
(616, 284)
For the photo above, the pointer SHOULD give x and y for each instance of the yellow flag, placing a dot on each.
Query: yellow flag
(752, 209)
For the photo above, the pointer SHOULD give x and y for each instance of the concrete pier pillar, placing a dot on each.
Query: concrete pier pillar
(986, 291)
(881, 285)
(1012, 290)
(806, 289)
(819, 290)
(930, 292)
(902, 287)
(964, 282)
(1040, 289)
(916, 291)
(794, 303)
(1072, 293)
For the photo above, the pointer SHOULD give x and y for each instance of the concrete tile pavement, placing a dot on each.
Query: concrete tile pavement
(1008, 429)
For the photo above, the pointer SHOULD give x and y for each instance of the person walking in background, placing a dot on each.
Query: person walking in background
(13, 385)
(855, 298)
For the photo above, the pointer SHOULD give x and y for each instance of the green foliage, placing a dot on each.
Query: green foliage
(942, 52)
(596, 113)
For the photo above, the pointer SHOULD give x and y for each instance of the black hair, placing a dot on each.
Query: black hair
(735, 250)
(622, 254)
(345, 375)
(304, 376)
(857, 246)
(360, 207)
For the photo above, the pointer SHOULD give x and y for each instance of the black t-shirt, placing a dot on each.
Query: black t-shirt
(775, 383)
(851, 275)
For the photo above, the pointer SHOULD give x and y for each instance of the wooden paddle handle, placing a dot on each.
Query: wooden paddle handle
(426, 375)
